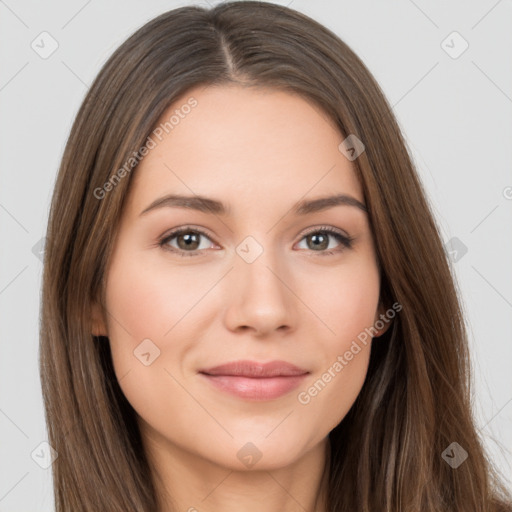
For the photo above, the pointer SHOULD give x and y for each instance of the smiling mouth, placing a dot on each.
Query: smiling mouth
(252, 380)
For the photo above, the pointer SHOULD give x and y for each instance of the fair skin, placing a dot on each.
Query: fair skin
(259, 151)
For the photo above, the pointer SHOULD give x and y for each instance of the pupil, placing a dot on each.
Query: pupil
(315, 237)
(189, 239)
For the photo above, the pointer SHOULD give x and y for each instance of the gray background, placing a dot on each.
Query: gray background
(455, 111)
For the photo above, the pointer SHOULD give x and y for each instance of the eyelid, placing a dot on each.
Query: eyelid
(169, 235)
(330, 229)
(344, 239)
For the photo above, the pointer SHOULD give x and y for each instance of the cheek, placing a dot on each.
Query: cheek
(150, 307)
(148, 330)
(346, 300)
(347, 306)
(328, 396)
(149, 299)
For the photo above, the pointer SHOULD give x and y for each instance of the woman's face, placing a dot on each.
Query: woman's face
(255, 281)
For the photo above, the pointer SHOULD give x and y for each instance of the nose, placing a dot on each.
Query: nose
(261, 296)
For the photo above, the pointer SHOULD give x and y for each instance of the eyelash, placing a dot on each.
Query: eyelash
(346, 241)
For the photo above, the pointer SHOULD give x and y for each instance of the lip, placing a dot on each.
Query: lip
(255, 381)
(245, 368)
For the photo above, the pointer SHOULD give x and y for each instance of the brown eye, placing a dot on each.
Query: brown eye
(188, 240)
(318, 240)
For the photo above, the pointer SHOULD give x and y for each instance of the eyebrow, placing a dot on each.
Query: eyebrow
(208, 205)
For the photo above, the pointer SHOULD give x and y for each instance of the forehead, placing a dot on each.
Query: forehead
(238, 143)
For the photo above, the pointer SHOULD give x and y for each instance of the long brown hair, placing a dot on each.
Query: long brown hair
(386, 454)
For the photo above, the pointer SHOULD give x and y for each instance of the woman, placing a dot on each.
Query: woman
(246, 301)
